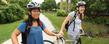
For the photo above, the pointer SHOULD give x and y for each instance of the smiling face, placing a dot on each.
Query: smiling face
(35, 13)
(81, 9)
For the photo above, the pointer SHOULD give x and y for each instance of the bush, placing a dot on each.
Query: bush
(61, 13)
(95, 29)
(11, 13)
(63, 5)
(97, 25)
(97, 20)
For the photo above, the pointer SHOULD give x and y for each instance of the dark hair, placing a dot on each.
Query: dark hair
(81, 17)
(30, 19)
(80, 14)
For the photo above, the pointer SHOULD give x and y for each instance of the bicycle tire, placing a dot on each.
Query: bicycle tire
(48, 41)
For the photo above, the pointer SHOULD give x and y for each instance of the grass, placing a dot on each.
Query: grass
(57, 22)
(6, 30)
(86, 40)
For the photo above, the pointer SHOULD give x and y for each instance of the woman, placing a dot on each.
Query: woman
(32, 26)
(75, 27)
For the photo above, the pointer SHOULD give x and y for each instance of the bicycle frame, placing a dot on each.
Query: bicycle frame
(58, 41)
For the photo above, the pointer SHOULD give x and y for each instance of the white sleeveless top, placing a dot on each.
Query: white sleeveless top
(77, 25)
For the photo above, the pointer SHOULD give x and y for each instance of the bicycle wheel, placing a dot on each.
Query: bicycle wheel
(48, 42)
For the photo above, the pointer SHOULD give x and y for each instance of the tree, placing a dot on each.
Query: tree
(48, 5)
(95, 6)
(12, 10)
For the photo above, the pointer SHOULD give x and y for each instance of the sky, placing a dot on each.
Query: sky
(40, 1)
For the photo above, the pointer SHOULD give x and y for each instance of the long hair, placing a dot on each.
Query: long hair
(81, 16)
(30, 19)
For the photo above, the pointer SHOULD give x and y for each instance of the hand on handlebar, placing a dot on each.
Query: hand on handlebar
(58, 35)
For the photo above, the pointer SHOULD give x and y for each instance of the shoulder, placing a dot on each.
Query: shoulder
(72, 13)
(22, 23)
(21, 26)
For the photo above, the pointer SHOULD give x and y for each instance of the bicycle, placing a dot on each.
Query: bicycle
(89, 35)
(59, 41)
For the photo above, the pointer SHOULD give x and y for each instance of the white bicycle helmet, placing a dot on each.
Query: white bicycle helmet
(81, 3)
(33, 5)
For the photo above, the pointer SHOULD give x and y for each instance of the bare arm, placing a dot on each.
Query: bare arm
(14, 35)
(63, 25)
(49, 32)
(81, 26)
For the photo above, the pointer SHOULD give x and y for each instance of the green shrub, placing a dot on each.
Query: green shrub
(61, 13)
(11, 13)
(97, 20)
(97, 25)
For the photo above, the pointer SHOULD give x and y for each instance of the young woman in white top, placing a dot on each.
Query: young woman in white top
(74, 29)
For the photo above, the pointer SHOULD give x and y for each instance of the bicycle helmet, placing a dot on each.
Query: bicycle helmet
(33, 5)
(81, 3)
